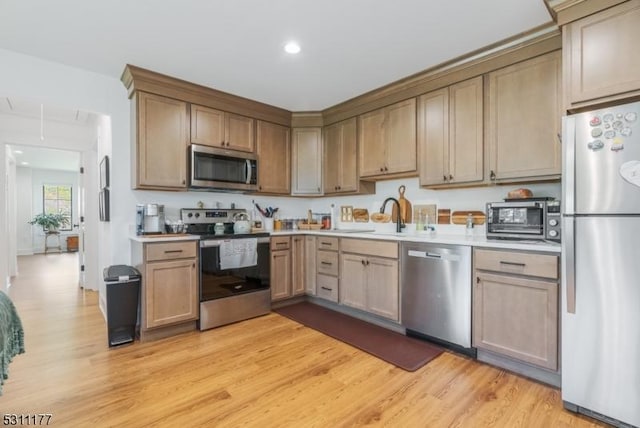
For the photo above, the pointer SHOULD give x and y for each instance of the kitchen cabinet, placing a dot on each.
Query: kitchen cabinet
(601, 57)
(216, 128)
(327, 268)
(515, 305)
(450, 134)
(369, 276)
(169, 286)
(274, 158)
(161, 137)
(524, 121)
(387, 141)
(340, 168)
(306, 161)
(281, 262)
(298, 265)
(310, 270)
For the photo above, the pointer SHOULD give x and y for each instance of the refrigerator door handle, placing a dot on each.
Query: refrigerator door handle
(568, 252)
(568, 164)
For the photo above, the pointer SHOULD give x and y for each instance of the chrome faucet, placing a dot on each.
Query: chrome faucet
(399, 224)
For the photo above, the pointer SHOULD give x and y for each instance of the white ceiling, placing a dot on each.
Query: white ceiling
(348, 46)
(45, 158)
(28, 108)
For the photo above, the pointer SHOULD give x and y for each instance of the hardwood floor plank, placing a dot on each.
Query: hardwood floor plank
(267, 371)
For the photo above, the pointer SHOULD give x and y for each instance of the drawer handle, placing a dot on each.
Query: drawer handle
(326, 263)
(281, 243)
(512, 263)
(326, 288)
(325, 243)
(172, 251)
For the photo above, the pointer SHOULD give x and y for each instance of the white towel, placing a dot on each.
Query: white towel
(238, 253)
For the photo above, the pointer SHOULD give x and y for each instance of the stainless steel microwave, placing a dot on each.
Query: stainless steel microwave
(524, 220)
(220, 169)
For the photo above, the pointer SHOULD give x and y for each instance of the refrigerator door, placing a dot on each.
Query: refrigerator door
(601, 340)
(606, 146)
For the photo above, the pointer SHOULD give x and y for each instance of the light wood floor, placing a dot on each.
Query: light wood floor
(268, 371)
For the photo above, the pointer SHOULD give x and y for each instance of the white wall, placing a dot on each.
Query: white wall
(24, 211)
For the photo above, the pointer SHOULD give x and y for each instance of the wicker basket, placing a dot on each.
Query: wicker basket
(303, 225)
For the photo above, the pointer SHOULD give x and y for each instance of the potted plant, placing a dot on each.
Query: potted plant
(50, 222)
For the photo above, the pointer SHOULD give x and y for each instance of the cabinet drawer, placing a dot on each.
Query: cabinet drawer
(327, 287)
(171, 250)
(326, 243)
(280, 243)
(327, 262)
(370, 248)
(532, 264)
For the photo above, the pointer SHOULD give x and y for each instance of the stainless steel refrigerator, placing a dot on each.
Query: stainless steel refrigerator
(601, 264)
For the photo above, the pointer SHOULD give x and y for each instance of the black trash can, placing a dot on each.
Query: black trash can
(123, 291)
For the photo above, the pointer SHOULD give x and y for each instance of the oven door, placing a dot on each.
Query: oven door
(516, 220)
(217, 283)
(213, 168)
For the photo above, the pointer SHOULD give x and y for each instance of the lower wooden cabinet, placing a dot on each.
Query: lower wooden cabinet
(298, 262)
(280, 267)
(327, 267)
(310, 270)
(368, 282)
(169, 293)
(515, 306)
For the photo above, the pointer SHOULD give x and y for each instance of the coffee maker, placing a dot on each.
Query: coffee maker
(149, 219)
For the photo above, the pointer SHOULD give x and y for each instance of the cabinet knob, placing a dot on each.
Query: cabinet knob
(492, 176)
(222, 144)
(381, 169)
(367, 262)
(450, 177)
(444, 177)
(386, 169)
(362, 261)
(184, 182)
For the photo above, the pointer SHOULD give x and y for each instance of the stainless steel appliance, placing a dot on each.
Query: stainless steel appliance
(436, 293)
(524, 219)
(149, 219)
(234, 282)
(600, 269)
(220, 169)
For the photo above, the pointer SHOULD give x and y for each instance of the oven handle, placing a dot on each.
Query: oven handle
(216, 242)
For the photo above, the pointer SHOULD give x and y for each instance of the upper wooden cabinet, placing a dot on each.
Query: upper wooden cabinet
(274, 158)
(524, 121)
(217, 128)
(450, 134)
(340, 158)
(161, 138)
(306, 161)
(387, 141)
(601, 56)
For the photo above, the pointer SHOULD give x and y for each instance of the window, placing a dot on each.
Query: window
(58, 200)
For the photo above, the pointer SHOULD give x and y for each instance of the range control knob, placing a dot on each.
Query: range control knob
(553, 233)
(190, 215)
(553, 222)
(197, 215)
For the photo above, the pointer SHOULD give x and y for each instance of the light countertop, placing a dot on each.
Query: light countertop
(166, 237)
(437, 238)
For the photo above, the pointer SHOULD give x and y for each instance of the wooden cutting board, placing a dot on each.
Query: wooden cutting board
(460, 217)
(405, 208)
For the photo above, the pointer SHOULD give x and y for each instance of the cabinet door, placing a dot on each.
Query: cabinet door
(382, 287)
(298, 274)
(348, 156)
(601, 55)
(162, 141)
(466, 132)
(310, 265)
(207, 126)
(332, 154)
(353, 284)
(524, 119)
(517, 317)
(171, 292)
(433, 137)
(274, 158)
(306, 159)
(240, 133)
(400, 137)
(371, 143)
(280, 274)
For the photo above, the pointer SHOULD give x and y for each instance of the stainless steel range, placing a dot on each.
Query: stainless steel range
(234, 268)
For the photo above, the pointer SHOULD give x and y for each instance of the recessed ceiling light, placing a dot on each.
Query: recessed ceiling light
(24, 163)
(292, 48)
(17, 152)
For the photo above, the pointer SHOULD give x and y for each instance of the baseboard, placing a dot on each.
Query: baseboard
(524, 369)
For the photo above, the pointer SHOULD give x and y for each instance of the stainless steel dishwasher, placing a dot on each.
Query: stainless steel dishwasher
(436, 293)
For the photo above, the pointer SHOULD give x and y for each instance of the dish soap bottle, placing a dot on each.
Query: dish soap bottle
(469, 227)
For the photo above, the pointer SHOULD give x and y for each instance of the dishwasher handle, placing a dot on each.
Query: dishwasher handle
(433, 256)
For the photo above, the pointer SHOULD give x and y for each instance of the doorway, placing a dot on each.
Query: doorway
(51, 159)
